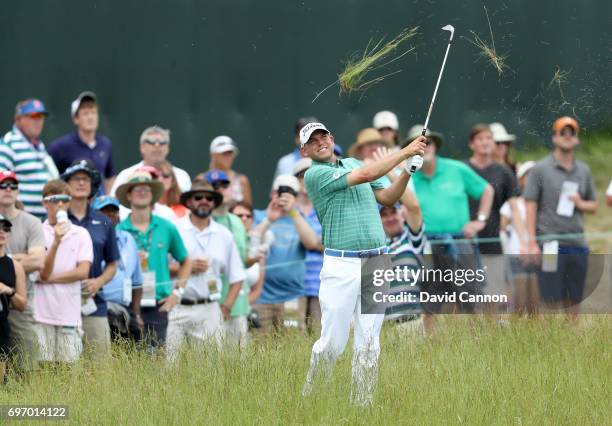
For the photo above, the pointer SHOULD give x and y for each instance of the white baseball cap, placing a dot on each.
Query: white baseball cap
(309, 129)
(76, 104)
(500, 134)
(222, 144)
(384, 119)
(524, 168)
(286, 180)
(301, 165)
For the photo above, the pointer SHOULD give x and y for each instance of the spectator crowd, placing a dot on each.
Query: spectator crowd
(89, 254)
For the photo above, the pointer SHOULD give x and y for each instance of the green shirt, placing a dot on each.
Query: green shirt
(160, 239)
(348, 214)
(444, 196)
(236, 227)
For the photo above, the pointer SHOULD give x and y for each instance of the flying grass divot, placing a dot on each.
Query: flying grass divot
(488, 51)
(353, 77)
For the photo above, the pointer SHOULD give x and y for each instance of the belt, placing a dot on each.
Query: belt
(356, 253)
(191, 302)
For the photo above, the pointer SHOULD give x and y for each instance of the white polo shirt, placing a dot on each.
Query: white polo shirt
(217, 244)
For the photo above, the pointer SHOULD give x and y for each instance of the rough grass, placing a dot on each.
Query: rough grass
(471, 372)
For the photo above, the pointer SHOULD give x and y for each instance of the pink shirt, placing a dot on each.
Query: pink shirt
(60, 304)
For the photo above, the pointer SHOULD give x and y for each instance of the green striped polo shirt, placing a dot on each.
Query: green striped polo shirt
(28, 162)
(348, 214)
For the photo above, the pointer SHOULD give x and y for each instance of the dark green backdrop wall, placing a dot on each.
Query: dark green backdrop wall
(249, 68)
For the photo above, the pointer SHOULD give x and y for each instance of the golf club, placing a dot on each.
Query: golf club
(433, 99)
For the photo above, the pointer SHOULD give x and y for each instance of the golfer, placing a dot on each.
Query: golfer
(345, 195)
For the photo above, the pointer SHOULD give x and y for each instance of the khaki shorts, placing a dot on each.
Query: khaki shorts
(59, 343)
(25, 340)
(96, 336)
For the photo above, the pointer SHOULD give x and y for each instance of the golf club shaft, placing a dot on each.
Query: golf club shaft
(437, 85)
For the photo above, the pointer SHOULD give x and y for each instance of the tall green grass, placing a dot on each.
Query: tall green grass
(472, 371)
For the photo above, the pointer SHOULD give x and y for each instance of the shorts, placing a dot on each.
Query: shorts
(5, 339)
(59, 343)
(517, 269)
(568, 281)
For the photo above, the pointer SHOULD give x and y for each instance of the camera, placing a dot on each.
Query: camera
(286, 189)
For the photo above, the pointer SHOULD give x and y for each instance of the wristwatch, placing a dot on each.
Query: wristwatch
(482, 217)
(12, 293)
(178, 292)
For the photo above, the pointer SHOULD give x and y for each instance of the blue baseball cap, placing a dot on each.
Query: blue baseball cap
(31, 106)
(105, 201)
(215, 177)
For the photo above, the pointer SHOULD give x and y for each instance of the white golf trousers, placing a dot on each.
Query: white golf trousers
(339, 296)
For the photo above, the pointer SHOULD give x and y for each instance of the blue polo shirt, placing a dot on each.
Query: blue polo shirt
(69, 148)
(128, 267)
(105, 249)
(285, 265)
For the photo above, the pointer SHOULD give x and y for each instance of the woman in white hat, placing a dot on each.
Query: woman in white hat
(387, 124)
(503, 144)
(223, 152)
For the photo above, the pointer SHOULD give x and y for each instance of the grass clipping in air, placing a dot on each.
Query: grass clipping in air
(353, 78)
(488, 51)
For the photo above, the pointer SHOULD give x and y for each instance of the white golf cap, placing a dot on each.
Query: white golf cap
(222, 144)
(500, 134)
(309, 129)
(76, 104)
(301, 165)
(384, 119)
(286, 180)
(524, 168)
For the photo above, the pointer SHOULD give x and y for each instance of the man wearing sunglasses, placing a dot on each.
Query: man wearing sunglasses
(214, 253)
(26, 245)
(154, 148)
(57, 295)
(559, 191)
(22, 152)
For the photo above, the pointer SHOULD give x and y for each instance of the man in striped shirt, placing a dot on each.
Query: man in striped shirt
(22, 152)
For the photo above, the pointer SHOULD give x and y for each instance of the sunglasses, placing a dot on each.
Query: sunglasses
(36, 115)
(6, 227)
(55, 199)
(567, 132)
(221, 185)
(200, 197)
(244, 216)
(9, 185)
(142, 190)
(166, 175)
(160, 143)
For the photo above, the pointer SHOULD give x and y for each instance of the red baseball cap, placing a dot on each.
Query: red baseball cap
(6, 175)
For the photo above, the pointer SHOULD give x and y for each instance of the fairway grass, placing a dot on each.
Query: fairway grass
(472, 371)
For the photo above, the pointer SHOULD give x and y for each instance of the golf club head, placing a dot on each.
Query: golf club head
(451, 29)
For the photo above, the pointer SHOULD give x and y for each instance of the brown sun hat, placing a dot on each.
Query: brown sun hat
(367, 137)
(200, 185)
(139, 178)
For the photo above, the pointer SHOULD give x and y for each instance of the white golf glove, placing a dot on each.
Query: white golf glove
(413, 164)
